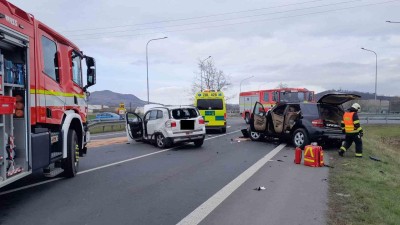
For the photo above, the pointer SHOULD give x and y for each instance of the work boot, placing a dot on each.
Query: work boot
(341, 153)
(358, 155)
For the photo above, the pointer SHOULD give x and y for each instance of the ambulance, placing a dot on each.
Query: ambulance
(212, 107)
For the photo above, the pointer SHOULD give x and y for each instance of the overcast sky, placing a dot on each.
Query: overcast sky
(314, 44)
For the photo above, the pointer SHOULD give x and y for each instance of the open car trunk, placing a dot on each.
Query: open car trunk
(331, 115)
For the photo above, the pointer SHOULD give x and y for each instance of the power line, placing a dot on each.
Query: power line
(246, 22)
(197, 17)
(221, 20)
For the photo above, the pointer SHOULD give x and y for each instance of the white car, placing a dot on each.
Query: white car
(167, 125)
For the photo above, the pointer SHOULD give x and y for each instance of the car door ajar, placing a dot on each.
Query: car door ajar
(278, 118)
(134, 126)
(258, 121)
(151, 123)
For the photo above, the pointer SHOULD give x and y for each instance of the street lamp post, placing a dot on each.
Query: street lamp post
(201, 73)
(242, 82)
(147, 66)
(376, 69)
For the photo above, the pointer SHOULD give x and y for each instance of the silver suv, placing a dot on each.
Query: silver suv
(165, 126)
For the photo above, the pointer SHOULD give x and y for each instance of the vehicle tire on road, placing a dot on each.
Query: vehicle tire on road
(198, 143)
(223, 130)
(255, 136)
(300, 138)
(161, 141)
(71, 163)
(247, 118)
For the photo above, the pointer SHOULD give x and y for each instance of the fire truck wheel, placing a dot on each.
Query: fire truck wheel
(300, 138)
(247, 118)
(72, 161)
(255, 136)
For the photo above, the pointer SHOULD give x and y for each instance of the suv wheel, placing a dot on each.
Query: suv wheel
(247, 118)
(255, 136)
(300, 138)
(161, 141)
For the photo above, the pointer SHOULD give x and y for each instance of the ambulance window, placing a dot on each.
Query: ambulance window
(76, 68)
(266, 97)
(50, 59)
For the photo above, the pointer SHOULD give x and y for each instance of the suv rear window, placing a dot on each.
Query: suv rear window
(309, 109)
(210, 104)
(184, 113)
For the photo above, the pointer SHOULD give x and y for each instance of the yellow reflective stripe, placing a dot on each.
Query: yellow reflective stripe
(309, 160)
(358, 154)
(56, 93)
(356, 121)
(309, 149)
(352, 131)
(343, 148)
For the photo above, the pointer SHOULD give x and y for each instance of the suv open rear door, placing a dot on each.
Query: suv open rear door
(134, 126)
(258, 120)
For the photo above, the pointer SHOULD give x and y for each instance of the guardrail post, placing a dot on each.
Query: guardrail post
(367, 120)
(386, 120)
(112, 127)
(103, 127)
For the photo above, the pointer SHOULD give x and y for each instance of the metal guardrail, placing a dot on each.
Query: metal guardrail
(103, 124)
(387, 119)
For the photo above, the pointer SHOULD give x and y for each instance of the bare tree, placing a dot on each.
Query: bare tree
(282, 85)
(209, 77)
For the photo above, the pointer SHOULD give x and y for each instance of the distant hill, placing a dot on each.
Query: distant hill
(364, 95)
(112, 99)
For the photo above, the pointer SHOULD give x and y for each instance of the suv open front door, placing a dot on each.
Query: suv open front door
(134, 126)
(258, 121)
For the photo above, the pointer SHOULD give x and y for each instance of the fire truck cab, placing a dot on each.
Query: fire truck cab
(43, 105)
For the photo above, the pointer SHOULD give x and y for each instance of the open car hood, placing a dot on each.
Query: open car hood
(337, 98)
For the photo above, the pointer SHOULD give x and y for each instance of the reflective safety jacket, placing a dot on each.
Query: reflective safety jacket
(351, 123)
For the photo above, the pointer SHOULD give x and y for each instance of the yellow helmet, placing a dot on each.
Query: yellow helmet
(356, 106)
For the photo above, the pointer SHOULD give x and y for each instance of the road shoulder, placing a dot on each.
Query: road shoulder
(295, 194)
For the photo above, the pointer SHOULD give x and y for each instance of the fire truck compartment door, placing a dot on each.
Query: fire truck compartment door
(40, 150)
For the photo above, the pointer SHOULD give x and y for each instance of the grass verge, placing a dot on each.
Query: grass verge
(363, 191)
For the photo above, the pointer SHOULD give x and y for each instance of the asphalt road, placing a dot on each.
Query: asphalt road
(140, 184)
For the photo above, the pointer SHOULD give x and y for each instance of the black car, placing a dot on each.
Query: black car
(302, 123)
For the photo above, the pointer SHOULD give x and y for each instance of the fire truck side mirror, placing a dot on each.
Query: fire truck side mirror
(91, 71)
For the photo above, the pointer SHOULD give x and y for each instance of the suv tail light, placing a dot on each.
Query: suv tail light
(318, 123)
(201, 121)
(224, 116)
(170, 124)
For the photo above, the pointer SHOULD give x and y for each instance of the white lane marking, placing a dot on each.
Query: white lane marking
(29, 186)
(110, 134)
(208, 206)
(228, 127)
(105, 166)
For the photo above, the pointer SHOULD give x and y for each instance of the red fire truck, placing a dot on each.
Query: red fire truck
(43, 109)
(270, 97)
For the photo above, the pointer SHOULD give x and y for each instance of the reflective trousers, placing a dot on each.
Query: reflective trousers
(350, 138)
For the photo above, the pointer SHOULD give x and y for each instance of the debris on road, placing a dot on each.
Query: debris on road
(279, 160)
(261, 188)
(239, 139)
(375, 159)
(329, 166)
(343, 195)
(325, 179)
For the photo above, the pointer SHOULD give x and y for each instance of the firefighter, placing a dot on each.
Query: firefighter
(353, 130)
